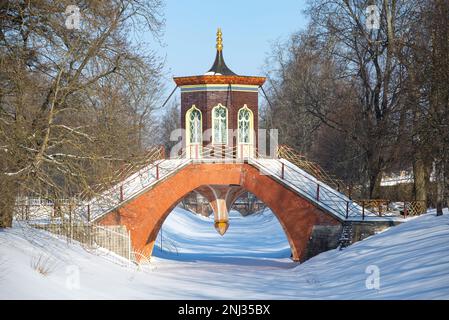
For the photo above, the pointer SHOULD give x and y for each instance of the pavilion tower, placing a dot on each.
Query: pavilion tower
(219, 109)
(219, 112)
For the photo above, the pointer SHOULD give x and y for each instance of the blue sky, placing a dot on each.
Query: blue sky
(249, 27)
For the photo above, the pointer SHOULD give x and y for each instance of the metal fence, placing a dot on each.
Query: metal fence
(32, 209)
(59, 220)
(113, 238)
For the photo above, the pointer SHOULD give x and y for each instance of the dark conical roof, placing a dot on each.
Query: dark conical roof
(219, 66)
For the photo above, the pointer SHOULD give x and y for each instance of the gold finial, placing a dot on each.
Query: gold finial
(219, 40)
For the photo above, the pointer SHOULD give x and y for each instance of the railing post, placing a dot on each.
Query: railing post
(70, 222)
(59, 211)
(405, 210)
(157, 171)
(347, 209)
(121, 193)
(162, 150)
(350, 192)
(282, 170)
(88, 213)
(318, 192)
(363, 209)
(380, 208)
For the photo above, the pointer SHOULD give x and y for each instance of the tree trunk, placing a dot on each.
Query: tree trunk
(374, 184)
(7, 201)
(446, 185)
(420, 175)
(440, 181)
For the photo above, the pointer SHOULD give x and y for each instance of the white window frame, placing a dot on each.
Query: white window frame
(226, 127)
(196, 152)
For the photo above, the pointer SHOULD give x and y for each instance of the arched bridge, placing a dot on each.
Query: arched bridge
(299, 201)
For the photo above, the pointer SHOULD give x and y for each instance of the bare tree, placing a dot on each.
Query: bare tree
(67, 114)
(168, 123)
(369, 57)
(439, 96)
(356, 80)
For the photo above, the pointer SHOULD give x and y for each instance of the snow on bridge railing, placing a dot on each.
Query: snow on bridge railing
(308, 186)
(332, 200)
(128, 189)
(313, 168)
(132, 184)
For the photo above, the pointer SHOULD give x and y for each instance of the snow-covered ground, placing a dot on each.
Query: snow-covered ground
(250, 262)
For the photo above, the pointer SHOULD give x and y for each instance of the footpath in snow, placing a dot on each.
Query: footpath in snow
(250, 262)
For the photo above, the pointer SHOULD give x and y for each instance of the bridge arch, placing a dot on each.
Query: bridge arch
(144, 214)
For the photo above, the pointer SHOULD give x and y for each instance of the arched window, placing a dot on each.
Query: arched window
(194, 125)
(245, 125)
(220, 125)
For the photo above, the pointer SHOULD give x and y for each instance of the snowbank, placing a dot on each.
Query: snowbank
(250, 262)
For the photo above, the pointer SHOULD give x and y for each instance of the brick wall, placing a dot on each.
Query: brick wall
(233, 100)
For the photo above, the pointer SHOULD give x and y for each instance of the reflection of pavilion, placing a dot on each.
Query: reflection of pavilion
(246, 204)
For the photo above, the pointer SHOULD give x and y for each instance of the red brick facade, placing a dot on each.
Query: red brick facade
(205, 101)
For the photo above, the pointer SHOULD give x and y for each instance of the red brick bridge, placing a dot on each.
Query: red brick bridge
(300, 202)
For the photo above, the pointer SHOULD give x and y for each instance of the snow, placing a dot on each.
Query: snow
(250, 262)
(395, 180)
(255, 236)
